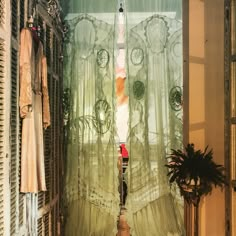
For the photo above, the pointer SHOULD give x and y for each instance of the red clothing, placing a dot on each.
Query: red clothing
(124, 151)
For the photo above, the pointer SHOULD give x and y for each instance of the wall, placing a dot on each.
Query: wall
(206, 98)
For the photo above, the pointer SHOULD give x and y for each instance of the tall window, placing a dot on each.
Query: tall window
(122, 99)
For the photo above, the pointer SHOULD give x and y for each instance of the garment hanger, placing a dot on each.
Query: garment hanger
(121, 8)
(34, 30)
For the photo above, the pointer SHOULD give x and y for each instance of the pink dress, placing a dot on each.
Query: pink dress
(34, 110)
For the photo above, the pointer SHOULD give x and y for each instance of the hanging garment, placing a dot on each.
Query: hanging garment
(34, 110)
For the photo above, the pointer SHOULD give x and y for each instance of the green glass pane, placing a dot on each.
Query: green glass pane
(155, 6)
(88, 6)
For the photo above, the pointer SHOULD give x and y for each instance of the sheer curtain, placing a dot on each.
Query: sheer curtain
(91, 184)
(154, 74)
(154, 77)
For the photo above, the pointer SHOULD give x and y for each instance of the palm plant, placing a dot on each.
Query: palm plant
(195, 173)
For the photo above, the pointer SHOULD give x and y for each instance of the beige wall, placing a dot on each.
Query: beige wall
(206, 98)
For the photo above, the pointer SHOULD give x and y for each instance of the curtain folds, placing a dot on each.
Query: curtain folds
(91, 196)
(153, 45)
(154, 72)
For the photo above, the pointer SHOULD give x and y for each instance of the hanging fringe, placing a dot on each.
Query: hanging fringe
(31, 213)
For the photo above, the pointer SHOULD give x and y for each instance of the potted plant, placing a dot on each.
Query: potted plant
(195, 173)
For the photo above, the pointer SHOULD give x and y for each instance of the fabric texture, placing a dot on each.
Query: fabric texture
(34, 110)
(91, 184)
(154, 74)
(32, 213)
(95, 93)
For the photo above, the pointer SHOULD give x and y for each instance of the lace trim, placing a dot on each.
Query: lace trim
(108, 202)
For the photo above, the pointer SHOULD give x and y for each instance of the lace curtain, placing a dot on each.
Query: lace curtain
(91, 196)
(154, 85)
(154, 71)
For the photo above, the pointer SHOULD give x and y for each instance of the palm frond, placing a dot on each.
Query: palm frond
(194, 170)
